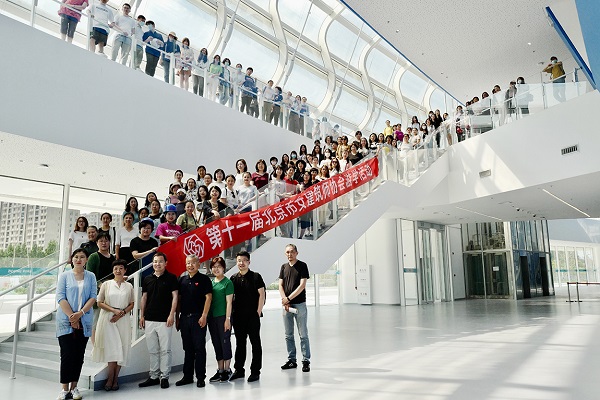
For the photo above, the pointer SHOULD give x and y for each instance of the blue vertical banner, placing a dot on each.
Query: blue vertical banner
(589, 15)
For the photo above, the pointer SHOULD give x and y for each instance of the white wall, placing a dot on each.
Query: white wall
(527, 153)
(378, 247)
(56, 92)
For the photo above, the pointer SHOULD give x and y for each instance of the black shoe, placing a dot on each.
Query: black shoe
(215, 378)
(225, 375)
(237, 374)
(253, 377)
(164, 383)
(305, 366)
(289, 365)
(150, 382)
(200, 383)
(184, 381)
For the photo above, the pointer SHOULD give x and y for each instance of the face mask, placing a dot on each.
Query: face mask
(185, 46)
(227, 63)
(181, 196)
(553, 61)
(141, 23)
(239, 69)
(294, 157)
(151, 28)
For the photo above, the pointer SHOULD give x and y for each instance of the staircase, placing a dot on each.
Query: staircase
(38, 354)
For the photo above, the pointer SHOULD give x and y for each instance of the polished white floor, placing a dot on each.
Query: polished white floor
(477, 349)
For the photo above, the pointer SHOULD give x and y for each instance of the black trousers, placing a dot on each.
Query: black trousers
(244, 328)
(246, 100)
(72, 351)
(151, 61)
(194, 346)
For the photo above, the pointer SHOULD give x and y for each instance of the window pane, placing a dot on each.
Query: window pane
(380, 67)
(308, 82)
(194, 21)
(264, 4)
(304, 49)
(253, 17)
(243, 48)
(341, 43)
(293, 13)
(352, 106)
(436, 101)
(413, 87)
(351, 77)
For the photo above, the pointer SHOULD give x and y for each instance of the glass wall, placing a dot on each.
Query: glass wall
(500, 267)
(574, 264)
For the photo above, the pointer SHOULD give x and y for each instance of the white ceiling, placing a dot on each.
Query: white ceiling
(518, 205)
(468, 46)
(98, 172)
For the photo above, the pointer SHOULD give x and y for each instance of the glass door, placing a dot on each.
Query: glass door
(426, 265)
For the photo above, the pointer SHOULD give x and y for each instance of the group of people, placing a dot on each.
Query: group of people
(97, 306)
(517, 95)
(224, 81)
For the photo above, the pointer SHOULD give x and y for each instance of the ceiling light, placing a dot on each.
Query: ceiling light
(564, 202)
(478, 213)
(529, 43)
(397, 30)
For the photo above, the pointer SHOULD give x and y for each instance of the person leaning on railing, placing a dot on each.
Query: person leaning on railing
(198, 69)
(103, 19)
(125, 26)
(154, 44)
(184, 64)
(70, 15)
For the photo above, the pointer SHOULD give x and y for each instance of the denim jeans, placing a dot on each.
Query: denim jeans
(301, 321)
(124, 43)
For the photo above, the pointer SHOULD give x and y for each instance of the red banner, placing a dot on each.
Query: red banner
(211, 239)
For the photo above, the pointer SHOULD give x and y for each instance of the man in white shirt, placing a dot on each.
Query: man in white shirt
(125, 25)
(138, 53)
(103, 19)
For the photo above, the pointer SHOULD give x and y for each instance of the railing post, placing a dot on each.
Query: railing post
(205, 88)
(30, 295)
(316, 223)
(34, 4)
(317, 293)
(136, 297)
(89, 31)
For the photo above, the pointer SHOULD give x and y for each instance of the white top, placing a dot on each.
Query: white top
(187, 58)
(78, 238)
(245, 193)
(80, 297)
(103, 15)
(139, 32)
(124, 237)
(125, 24)
(268, 93)
(232, 200)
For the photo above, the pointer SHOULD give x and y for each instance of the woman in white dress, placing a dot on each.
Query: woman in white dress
(113, 332)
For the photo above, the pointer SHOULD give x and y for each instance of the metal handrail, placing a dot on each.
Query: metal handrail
(13, 365)
(577, 287)
(33, 278)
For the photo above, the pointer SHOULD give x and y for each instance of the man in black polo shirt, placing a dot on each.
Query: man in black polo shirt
(195, 295)
(143, 246)
(159, 303)
(100, 264)
(248, 302)
(292, 284)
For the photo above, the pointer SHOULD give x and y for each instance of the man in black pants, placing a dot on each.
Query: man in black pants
(195, 296)
(248, 302)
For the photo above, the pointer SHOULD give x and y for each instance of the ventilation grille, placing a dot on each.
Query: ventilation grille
(570, 149)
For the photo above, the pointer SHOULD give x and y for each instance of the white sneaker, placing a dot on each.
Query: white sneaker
(62, 395)
(76, 395)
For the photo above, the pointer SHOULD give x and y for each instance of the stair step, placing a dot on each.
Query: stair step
(41, 337)
(47, 370)
(46, 326)
(40, 350)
